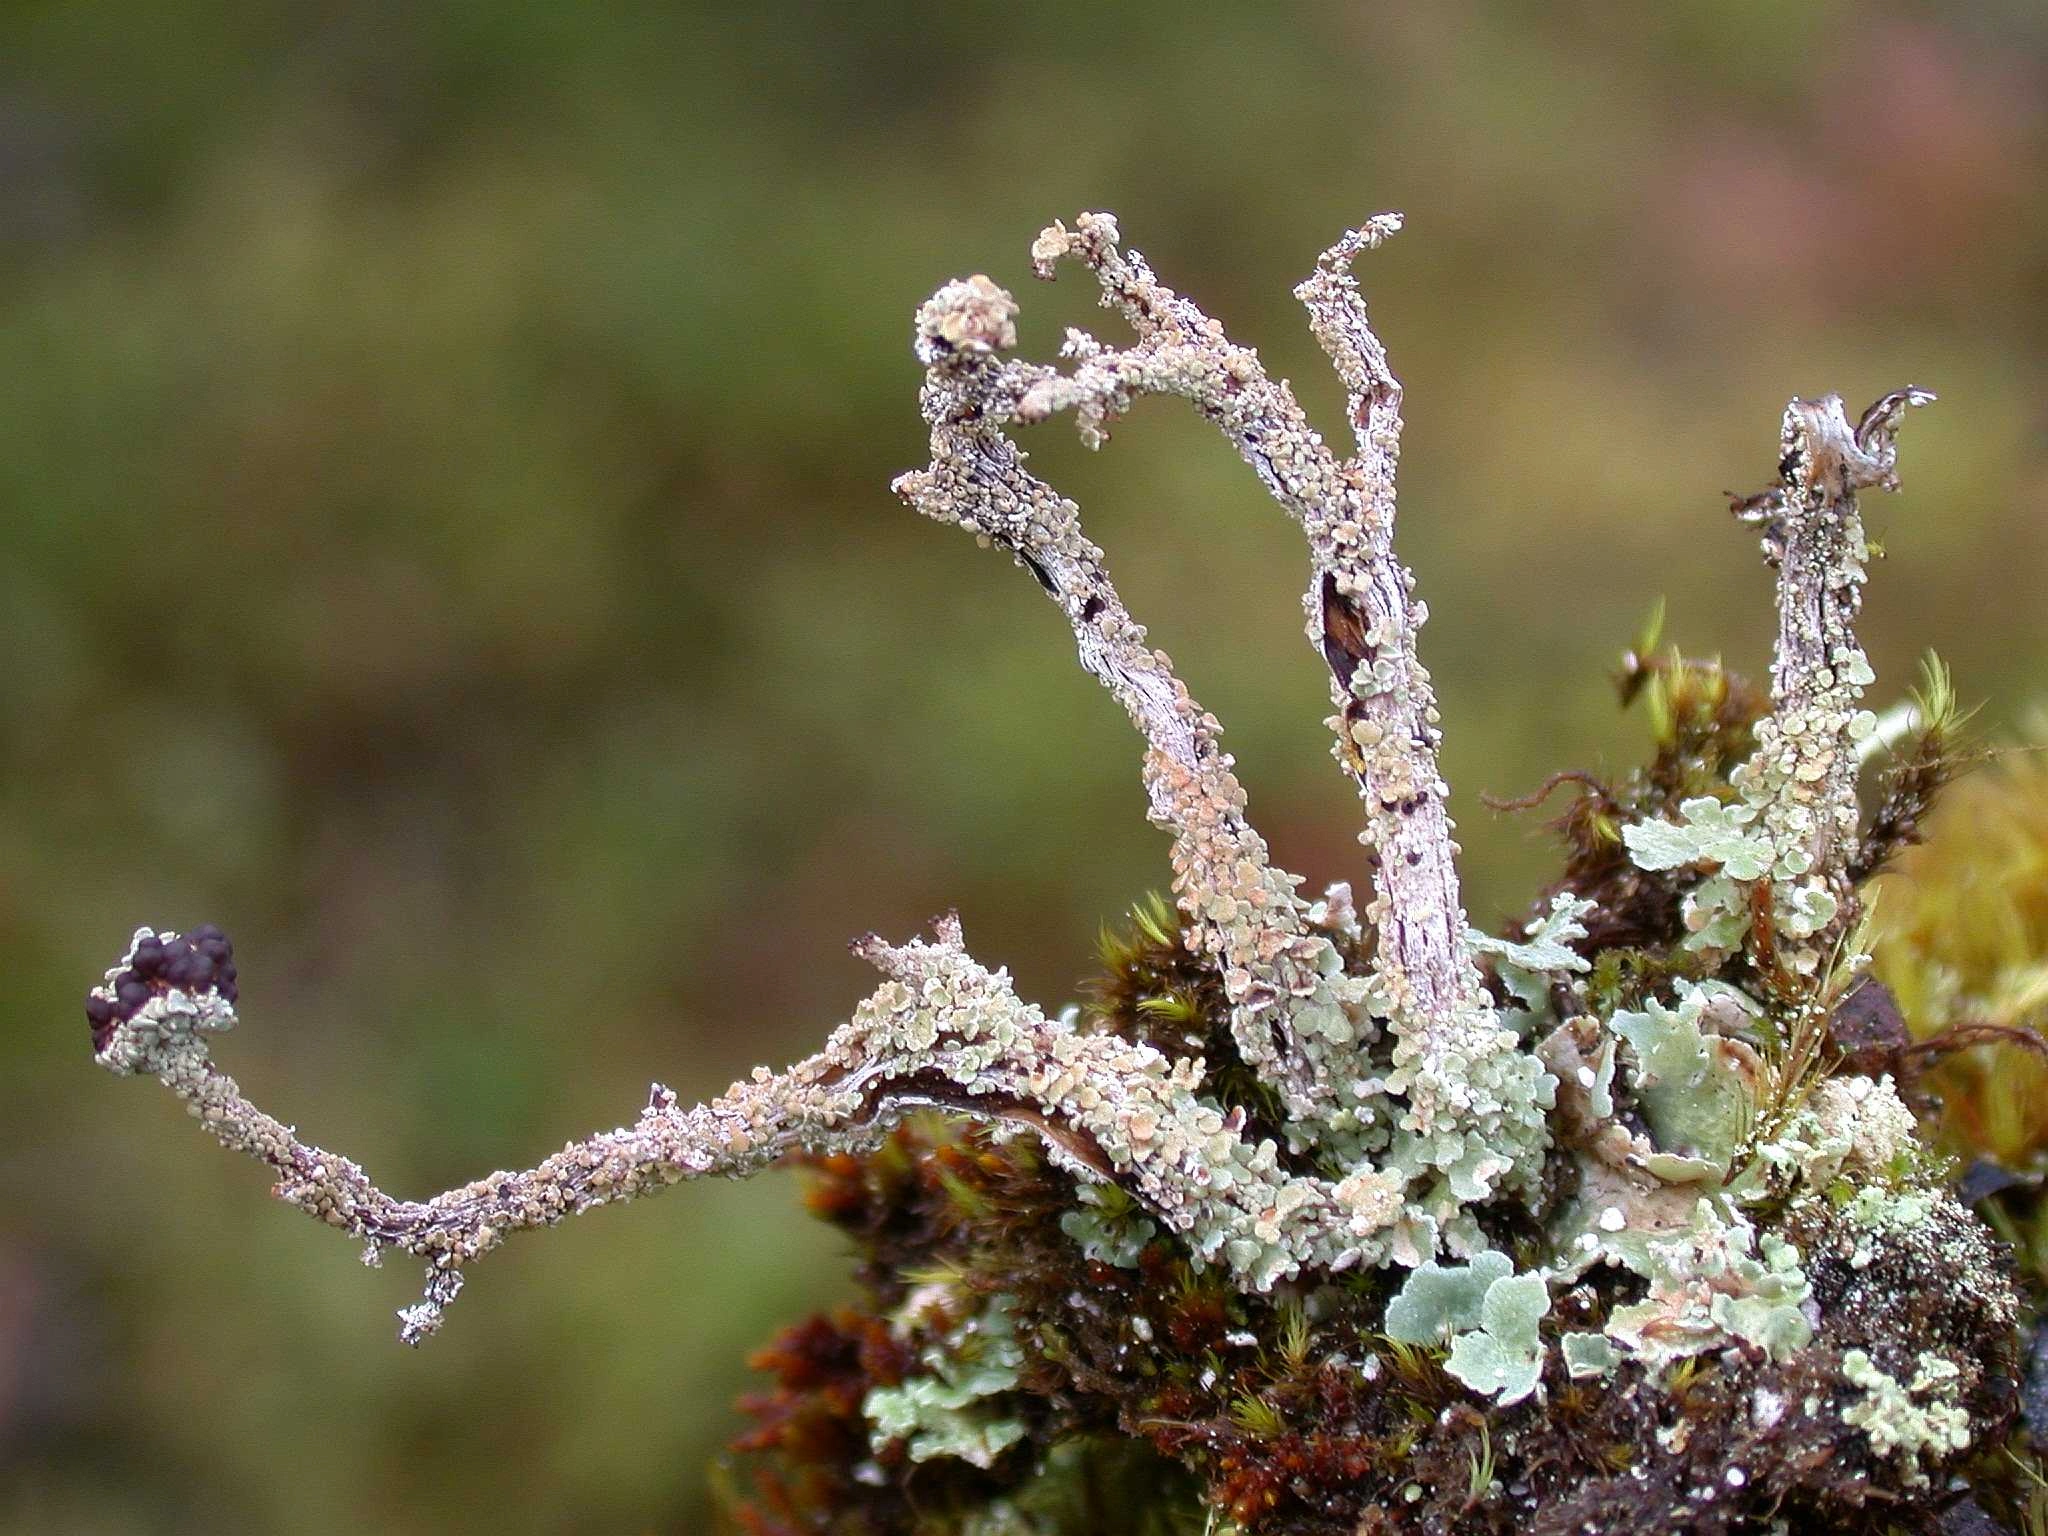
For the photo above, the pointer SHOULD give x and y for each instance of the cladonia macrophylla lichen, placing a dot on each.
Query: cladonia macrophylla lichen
(1324, 1214)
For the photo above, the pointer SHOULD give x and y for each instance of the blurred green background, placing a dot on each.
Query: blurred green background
(444, 540)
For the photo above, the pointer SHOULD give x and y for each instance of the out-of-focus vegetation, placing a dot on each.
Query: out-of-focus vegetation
(442, 461)
(1962, 931)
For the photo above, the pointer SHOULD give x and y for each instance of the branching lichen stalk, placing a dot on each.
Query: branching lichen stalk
(1362, 617)
(1243, 912)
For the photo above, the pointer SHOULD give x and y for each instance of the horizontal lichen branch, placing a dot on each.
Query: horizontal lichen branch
(941, 1032)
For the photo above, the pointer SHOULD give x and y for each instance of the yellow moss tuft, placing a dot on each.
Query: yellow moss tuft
(1963, 940)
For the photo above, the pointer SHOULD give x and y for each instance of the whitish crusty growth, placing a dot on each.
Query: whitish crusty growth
(1417, 1102)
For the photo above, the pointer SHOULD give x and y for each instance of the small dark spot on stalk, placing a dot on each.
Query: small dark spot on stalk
(1344, 644)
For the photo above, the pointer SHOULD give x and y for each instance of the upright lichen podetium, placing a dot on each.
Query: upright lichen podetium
(1615, 1144)
(1785, 852)
(1809, 748)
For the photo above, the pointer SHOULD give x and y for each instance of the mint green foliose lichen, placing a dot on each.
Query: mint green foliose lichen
(1503, 1356)
(1588, 1354)
(1695, 1087)
(1712, 1284)
(1709, 833)
(1543, 955)
(1439, 1300)
(1108, 1226)
(948, 1412)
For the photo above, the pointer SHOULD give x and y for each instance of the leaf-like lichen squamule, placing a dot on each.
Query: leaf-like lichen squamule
(1403, 1222)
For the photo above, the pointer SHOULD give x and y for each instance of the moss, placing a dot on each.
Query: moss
(1962, 943)
(1152, 988)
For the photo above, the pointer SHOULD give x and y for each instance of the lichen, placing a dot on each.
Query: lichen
(947, 1411)
(1274, 1233)
(1107, 1226)
(1531, 965)
(1915, 1419)
(1695, 1087)
(1503, 1356)
(1588, 1354)
(1713, 1284)
(1439, 1300)
(1707, 834)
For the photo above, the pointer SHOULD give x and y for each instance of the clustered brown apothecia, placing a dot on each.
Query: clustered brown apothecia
(198, 961)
